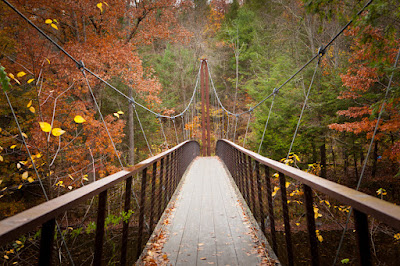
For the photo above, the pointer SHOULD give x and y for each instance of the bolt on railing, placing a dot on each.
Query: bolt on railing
(240, 161)
(168, 167)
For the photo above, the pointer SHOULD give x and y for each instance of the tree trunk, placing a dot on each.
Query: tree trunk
(355, 161)
(346, 161)
(375, 159)
(131, 131)
(314, 152)
(322, 149)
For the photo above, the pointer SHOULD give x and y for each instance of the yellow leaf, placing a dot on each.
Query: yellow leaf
(1, 181)
(21, 74)
(120, 112)
(13, 146)
(46, 127)
(38, 155)
(25, 175)
(57, 132)
(6, 257)
(1, 158)
(106, 3)
(30, 179)
(12, 76)
(18, 242)
(24, 135)
(29, 104)
(79, 119)
(48, 21)
(84, 178)
(48, 61)
(397, 236)
(18, 165)
(116, 115)
(30, 81)
(287, 184)
(54, 26)
(70, 176)
(298, 224)
(32, 109)
(100, 6)
(55, 20)
(20, 186)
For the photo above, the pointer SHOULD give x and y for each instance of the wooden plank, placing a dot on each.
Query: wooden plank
(208, 225)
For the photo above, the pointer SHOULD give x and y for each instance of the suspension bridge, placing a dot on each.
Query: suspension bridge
(200, 204)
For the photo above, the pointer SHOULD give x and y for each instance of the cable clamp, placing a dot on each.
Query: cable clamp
(275, 91)
(132, 101)
(80, 65)
(251, 109)
(321, 51)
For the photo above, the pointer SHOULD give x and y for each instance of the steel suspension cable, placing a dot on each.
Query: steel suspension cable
(101, 117)
(304, 107)
(176, 133)
(320, 51)
(37, 173)
(369, 152)
(141, 128)
(163, 133)
(247, 129)
(80, 64)
(266, 123)
(236, 123)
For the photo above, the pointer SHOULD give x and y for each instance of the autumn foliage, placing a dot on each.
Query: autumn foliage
(50, 89)
(371, 58)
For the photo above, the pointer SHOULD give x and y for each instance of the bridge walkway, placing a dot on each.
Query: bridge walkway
(209, 224)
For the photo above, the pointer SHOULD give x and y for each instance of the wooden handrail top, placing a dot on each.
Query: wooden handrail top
(28, 220)
(384, 211)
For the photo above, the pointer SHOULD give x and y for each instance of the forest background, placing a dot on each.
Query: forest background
(150, 50)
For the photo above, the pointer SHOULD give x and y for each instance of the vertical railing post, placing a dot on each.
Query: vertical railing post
(163, 200)
(285, 209)
(152, 196)
(125, 223)
(270, 210)
(141, 212)
(308, 198)
(167, 177)
(252, 189)
(173, 162)
(46, 242)
(260, 198)
(101, 215)
(246, 179)
(361, 226)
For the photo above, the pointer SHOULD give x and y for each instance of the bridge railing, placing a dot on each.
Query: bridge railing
(166, 170)
(244, 166)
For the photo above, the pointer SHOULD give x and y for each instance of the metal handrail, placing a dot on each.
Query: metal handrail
(179, 156)
(234, 157)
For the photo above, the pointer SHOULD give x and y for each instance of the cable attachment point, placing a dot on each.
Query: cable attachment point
(132, 101)
(321, 51)
(80, 65)
(251, 109)
(275, 91)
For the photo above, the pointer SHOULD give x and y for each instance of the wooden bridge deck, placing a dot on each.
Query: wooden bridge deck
(208, 224)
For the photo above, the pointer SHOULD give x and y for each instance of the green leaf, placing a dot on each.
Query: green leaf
(345, 261)
(4, 80)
